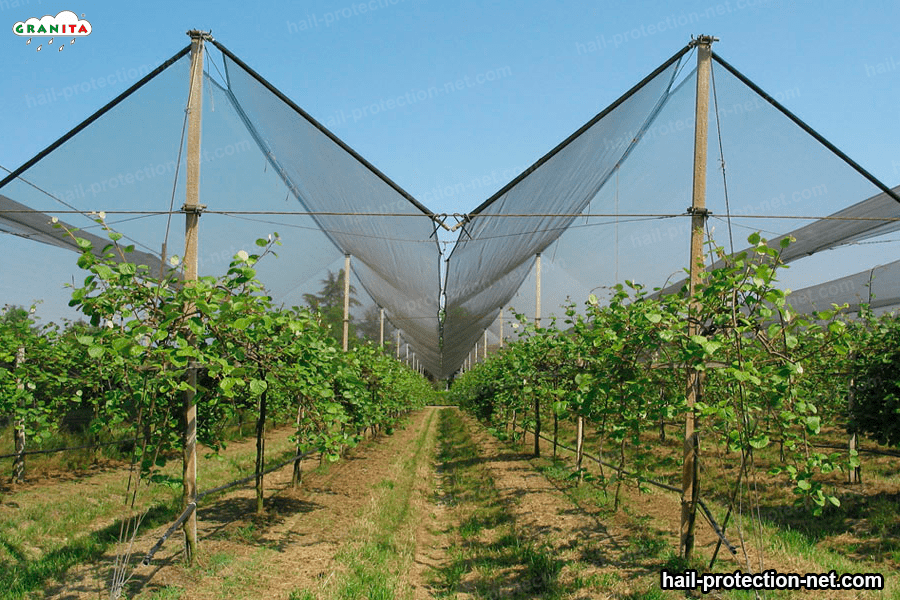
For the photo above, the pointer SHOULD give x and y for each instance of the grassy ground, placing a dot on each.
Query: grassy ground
(490, 557)
(374, 561)
(866, 527)
(788, 544)
(47, 526)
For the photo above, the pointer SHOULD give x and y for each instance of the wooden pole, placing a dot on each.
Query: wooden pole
(501, 326)
(381, 328)
(484, 346)
(192, 209)
(579, 446)
(297, 477)
(690, 487)
(398, 344)
(537, 290)
(261, 451)
(853, 473)
(346, 302)
(18, 473)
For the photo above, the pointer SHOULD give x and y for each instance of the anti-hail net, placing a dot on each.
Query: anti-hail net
(780, 180)
(607, 205)
(259, 155)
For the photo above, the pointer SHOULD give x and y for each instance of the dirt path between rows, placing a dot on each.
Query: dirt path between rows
(602, 543)
(291, 547)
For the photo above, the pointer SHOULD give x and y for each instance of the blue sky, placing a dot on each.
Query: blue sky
(534, 72)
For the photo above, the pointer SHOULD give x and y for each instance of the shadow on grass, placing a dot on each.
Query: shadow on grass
(22, 575)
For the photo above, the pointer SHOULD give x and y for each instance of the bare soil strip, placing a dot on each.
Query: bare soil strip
(291, 547)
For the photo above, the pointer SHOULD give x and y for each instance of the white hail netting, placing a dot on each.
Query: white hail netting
(257, 154)
(495, 253)
(631, 166)
(780, 181)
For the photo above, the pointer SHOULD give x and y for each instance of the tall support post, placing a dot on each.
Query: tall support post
(192, 210)
(381, 328)
(690, 488)
(407, 352)
(475, 360)
(501, 326)
(484, 346)
(398, 344)
(537, 290)
(346, 302)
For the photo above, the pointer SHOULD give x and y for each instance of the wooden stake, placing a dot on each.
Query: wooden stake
(261, 452)
(555, 432)
(853, 473)
(484, 352)
(689, 484)
(537, 290)
(18, 472)
(346, 302)
(381, 328)
(501, 326)
(297, 477)
(579, 446)
(192, 209)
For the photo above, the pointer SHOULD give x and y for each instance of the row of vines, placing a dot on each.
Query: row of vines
(129, 362)
(772, 380)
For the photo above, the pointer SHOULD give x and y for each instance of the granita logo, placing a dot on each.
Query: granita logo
(65, 24)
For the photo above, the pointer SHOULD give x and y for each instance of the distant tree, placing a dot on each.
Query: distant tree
(329, 303)
(369, 328)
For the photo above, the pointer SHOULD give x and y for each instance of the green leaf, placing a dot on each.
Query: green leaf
(753, 238)
(759, 441)
(85, 340)
(95, 351)
(258, 386)
(813, 424)
(654, 317)
(83, 243)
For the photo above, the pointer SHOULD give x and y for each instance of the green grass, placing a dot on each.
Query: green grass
(781, 537)
(168, 593)
(57, 526)
(488, 559)
(373, 564)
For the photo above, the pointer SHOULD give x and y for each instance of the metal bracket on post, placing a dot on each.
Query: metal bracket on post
(203, 35)
(703, 212)
(702, 40)
(193, 209)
